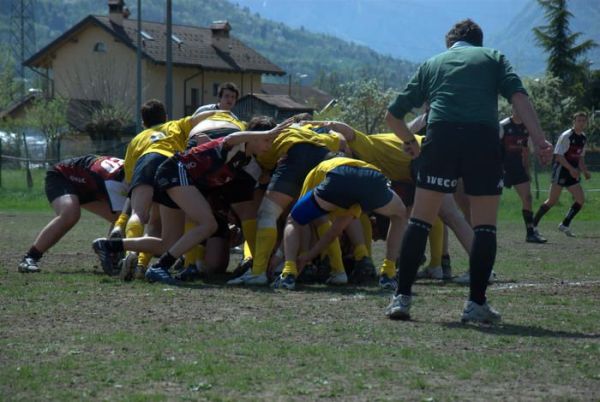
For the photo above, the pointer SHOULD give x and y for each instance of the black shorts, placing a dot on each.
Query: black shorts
(145, 169)
(454, 150)
(514, 171)
(291, 170)
(561, 176)
(56, 185)
(406, 192)
(345, 186)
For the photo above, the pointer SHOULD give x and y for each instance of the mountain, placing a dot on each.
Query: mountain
(306, 55)
(415, 29)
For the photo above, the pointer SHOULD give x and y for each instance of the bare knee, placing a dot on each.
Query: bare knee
(70, 217)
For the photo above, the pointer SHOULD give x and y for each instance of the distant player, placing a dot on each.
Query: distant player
(227, 96)
(91, 182)
(567, 166)
(515, 137)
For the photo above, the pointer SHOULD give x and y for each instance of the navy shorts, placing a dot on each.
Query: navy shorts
(561, 176)
(56, 185)
(145, 169)
(454, 150)
(514, 171)
(292, 169)
(345, 186)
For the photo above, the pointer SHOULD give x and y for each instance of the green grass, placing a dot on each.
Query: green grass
(73, 333)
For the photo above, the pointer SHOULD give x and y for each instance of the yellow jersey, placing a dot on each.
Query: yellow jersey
(165, 139)
(227, 117)
(384, 151)
(319, 172)
(292, 136)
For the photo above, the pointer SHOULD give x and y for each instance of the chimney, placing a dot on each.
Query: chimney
(116, 11)
(220, 35)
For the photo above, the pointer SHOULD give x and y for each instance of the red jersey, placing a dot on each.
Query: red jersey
(212, 164)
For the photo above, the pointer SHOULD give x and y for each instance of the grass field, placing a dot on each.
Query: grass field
(74, 333)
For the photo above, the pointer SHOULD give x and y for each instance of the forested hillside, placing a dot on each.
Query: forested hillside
(316, 57)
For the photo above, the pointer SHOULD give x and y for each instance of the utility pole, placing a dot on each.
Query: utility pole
(22, 35)
(169, 83)
(138, 96)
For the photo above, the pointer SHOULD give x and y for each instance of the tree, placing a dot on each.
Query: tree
(362, 104)
(560, 44)
(50, 117)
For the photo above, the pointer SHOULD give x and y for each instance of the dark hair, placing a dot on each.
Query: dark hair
(261, 123)
(229, 86)
(465, 30)
(580, 113)
(297, 118)
(153, 113)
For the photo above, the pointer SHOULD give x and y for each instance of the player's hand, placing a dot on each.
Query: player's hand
(587, 175)
(574, 173)
(275, 131)
(544, 152)
(412, 148)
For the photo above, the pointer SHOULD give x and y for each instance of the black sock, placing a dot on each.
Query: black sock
(34, 253)
(115, 245)
(165, 261)
(446, 260)
(528, 218)
(481, 261)
(413, 246)
(540, 213)
(576, 207)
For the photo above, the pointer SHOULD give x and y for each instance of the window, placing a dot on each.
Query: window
(100, 47)
(176, 39)
(146, 35)
(215, 88)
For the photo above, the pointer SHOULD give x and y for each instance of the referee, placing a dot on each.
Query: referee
(461, 86)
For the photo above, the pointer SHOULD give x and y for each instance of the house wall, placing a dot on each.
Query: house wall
(79, 72)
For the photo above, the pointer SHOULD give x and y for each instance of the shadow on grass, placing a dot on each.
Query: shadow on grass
(520, 330)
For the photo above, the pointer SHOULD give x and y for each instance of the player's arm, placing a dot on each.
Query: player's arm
(399, 127)
(574, 172)
(344, 129)
(336, 229)
(244, 136)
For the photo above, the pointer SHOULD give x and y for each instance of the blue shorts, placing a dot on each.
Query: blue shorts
(345, 186)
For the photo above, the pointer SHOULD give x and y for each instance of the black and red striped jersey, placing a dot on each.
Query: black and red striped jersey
(213, 164)
(514, 136)
(571, 145)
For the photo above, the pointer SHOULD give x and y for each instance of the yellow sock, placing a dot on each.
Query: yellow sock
(436, 243)
(365, 222)
(247, 252)
(266, 238)
(360, 252)
(144, 259)
(193, 255)
(289, 268)
(333, 250)
(134, 229)
(249, 231)
(121, 221)
(388, 268)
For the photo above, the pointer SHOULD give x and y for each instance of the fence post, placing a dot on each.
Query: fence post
(29, 178)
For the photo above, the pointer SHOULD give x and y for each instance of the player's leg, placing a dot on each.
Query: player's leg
(578, 200)
(68, 211)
